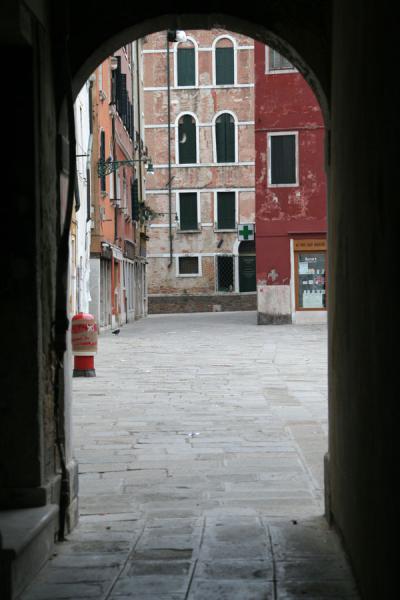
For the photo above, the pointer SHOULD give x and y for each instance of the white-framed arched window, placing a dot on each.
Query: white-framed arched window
(225, 137)
(224, 60)
(186, 139)
(186, 63)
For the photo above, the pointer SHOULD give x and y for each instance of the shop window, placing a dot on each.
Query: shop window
(187, 140)
(226, 210)
(277, 62)
(225, 274)
(311, 279)
(186, 66)
(188, 218)
(225, 138)
(224, 63)
(188, 265)
(283, 159)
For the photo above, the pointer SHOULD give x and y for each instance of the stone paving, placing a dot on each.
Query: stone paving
(201, 444)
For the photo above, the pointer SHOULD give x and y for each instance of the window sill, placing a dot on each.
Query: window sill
(282, 185)
(188, 230)
(225, 230)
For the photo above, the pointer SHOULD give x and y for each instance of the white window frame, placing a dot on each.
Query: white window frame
(196, 65)
(270, 71)
(216, 192)
(177, 163)
(188, 255)
(214, 61)
(271, 134)
(214, 138)
(178, 210)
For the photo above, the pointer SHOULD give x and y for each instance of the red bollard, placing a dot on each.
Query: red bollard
(84, 334)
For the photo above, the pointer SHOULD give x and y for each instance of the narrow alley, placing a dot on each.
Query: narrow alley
(200, 446)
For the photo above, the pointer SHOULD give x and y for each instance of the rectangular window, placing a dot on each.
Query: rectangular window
(277, 62)
(186, 67)
(282, 159)
(188, 265)
(310, 280)
(226, 210)
(225, 274)
(188, 217)
(224, 66)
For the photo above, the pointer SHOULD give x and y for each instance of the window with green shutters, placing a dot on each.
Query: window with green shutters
(187, 152)
(186, 66)
(282, 159)
(226, 210)
(224, 66)
(188, 218)
(103, 158)
(225, 138)
(188, 265)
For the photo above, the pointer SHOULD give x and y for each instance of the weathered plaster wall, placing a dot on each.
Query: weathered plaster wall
(284, 102)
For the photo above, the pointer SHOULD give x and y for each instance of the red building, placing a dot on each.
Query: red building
(290, 194)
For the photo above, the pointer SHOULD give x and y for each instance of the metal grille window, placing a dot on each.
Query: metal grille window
(282, 159)
(277, 62)
(225, 138)
(188, 211)
(226, 210)
(188, 265)
(224, 65)
(225, 274)
(187, 140)
(186, 66)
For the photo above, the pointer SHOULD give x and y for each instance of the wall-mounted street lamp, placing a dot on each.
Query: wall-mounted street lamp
(106, 167)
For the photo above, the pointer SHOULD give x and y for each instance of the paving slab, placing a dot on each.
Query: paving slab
(200, 446)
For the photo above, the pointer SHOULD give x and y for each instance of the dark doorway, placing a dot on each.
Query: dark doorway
(247, 267)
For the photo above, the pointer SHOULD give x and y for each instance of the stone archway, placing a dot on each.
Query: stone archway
(361, 228)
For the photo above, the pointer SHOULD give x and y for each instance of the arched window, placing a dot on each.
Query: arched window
(187, 142)
(225, 138)
(186, 64)
(224, 62)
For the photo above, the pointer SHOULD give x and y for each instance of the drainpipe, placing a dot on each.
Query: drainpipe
(170, 37)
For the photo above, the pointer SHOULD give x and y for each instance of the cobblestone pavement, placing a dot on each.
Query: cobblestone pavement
(200, 444)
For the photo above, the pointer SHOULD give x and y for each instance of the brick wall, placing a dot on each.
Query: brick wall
(159, 304)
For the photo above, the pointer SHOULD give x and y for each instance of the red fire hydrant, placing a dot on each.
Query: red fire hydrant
(84, 334)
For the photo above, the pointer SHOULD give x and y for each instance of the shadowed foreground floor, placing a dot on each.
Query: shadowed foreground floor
(200, 444)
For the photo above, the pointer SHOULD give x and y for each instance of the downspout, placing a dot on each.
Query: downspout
(169, 153)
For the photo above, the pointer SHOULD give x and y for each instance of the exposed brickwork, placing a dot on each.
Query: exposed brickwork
(204, 101)
(159, 304)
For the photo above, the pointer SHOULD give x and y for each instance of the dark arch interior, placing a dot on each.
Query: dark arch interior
(333, 44)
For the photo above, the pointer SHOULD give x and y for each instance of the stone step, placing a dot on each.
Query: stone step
(26, 542)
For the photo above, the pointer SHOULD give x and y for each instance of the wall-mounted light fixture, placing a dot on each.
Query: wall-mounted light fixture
(105, 167)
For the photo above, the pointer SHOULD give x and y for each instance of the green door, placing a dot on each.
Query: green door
(247, 273)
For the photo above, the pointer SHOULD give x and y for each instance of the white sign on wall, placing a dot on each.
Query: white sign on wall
(246, 232)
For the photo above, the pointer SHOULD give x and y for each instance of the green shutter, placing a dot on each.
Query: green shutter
(283, 159)
(187, 140)
(188, 211)
(186, 66)
(224, 66)
(135, 200)
(225, 138)
(226, 210)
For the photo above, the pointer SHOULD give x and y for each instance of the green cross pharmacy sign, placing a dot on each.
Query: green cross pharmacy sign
(246, 232)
